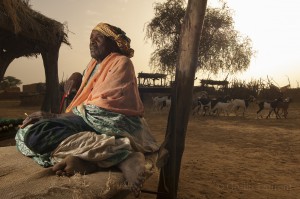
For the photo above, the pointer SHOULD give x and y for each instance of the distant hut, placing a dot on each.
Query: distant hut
(222, 85)
(25, 32)
(148, 79)
(206, 82)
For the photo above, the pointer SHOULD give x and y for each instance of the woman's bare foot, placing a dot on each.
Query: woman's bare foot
(133, 168)
(72, 164)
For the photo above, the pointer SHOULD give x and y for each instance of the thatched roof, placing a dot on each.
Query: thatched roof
(214, 82)
(151, 75)
(32, 31)
(25, 32)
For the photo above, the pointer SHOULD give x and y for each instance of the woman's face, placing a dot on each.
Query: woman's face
(99, 46)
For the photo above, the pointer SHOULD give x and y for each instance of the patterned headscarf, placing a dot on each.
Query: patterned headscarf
(118, 35)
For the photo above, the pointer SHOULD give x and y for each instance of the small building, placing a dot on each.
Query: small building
(33, 94)
(34, 88)
(12, 93)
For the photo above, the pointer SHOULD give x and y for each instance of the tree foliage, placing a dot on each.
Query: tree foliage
(222, 49)
(8, 82)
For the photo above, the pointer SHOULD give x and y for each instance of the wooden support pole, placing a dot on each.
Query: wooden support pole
(51, 100)
(5, 60)
(181, 98)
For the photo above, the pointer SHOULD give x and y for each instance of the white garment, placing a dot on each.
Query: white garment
(91, 147)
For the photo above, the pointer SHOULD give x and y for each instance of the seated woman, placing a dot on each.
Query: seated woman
(103, 126)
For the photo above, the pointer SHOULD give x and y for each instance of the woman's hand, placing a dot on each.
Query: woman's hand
(37, 116)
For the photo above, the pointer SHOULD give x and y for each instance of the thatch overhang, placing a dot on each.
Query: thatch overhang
(151, 75)
(145, 78)
(214, 82)
(25, 32)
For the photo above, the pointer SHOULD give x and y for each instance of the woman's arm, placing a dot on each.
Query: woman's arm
(39, 115)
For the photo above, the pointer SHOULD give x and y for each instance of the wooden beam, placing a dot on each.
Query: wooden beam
(181, 98)
(50, 59)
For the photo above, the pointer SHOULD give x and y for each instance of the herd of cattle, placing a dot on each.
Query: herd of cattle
(203, 105)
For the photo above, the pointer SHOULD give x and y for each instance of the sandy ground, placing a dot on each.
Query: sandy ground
(226, 157)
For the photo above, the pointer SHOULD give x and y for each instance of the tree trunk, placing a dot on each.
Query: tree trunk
(181, 98)
(51, 100)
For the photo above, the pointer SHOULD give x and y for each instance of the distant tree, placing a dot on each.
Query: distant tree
(221, 47)
(8, 82)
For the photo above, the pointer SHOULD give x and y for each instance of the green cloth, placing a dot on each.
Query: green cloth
(107, 122)
(103, 121)
(42, 160)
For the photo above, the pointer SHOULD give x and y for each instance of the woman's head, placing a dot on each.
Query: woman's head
(106, 38)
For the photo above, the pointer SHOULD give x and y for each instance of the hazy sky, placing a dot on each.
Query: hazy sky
(271, 24)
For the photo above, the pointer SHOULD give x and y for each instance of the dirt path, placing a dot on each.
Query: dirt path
(236, 157)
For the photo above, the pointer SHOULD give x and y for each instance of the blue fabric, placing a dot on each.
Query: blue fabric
(40, 139)
(44, 136)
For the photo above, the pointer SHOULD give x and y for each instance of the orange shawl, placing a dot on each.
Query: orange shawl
(113, 87)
